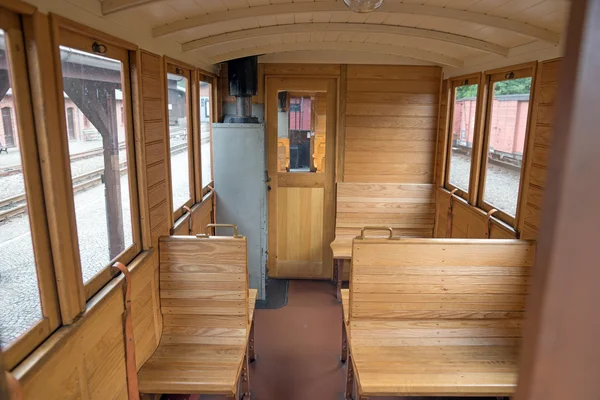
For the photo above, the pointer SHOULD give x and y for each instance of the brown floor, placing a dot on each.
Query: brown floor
(298, 348)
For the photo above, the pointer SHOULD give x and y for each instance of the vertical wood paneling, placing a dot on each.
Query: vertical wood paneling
(153, 125)
(541, 137)
(391, 123)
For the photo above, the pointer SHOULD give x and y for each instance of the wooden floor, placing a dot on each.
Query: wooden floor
(298, 348)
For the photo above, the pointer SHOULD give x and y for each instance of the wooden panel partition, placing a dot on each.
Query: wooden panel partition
(391, 123)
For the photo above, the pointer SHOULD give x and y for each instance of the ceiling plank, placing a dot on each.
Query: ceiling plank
(341, 27)
(392, 8)
(408, 52)
(113, 6)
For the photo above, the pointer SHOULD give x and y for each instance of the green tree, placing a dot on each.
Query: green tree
(513, 86)
(465, 91)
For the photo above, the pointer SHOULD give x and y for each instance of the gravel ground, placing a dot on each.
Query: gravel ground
(501, 184)
(19, 299)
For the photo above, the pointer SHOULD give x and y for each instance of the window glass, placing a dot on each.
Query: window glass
(98, 150)
(506, 142)
(20, 307)
(206, 132)
(301, 132)
(463, 131)
(178, 139)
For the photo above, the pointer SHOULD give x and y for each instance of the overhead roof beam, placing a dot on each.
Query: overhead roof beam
(402, 51)
(230, 37)
(393, 8)
(113, 6)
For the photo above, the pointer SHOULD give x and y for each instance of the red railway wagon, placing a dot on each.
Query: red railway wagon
(508, 126)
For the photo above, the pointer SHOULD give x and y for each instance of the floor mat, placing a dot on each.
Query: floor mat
(277, 295)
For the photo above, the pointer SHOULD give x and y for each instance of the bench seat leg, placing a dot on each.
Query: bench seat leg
(251, 353)
(349, 395)
(339, 270)
(344, 356)
(244, 392)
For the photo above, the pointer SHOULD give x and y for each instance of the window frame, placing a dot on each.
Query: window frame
(491, 77)
(210, 79)
(178, 68)
(10, 22)
(455, 83)
(80, 37)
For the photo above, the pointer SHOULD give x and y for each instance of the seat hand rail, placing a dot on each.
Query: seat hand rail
(207, 234)
(376, 228)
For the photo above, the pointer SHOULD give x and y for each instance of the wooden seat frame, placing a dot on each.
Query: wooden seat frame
(435, 317)
(208, 326)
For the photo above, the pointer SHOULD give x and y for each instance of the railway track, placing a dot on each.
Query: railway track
(80, 183)
(17, 169)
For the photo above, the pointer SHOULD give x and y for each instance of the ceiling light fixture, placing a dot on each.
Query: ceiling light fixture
(363, 6)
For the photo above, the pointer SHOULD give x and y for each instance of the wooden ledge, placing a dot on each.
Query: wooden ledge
(342, 248)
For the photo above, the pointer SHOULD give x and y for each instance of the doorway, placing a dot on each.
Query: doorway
(301, 128)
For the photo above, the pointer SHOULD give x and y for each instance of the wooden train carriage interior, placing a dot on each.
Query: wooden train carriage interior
(284, 199)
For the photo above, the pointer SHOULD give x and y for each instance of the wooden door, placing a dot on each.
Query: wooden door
(301, 111)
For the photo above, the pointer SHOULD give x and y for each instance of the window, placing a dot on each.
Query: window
(28, 306)
(180, 138)
(463, 122)
(301, 132)
(96, 86)
(504, 146)
(206, 132)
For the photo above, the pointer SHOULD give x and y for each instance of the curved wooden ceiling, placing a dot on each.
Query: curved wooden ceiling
(443, 32)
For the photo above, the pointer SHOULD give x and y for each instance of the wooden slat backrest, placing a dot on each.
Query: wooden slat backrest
(439, 291)
(407, 208)
(203, 283)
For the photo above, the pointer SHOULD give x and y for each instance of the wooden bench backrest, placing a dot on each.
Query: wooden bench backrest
(439, 291)
(203, 282)
(407, 208)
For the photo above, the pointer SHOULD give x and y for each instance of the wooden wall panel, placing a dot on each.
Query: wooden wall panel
(541, 137)
(153, 126)
(440, 156)
(391, 123)
(468, 222)
(87, 359)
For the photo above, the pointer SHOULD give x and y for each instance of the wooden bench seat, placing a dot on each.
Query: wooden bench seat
(207, 312)
(437, 317)
(409, 209)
